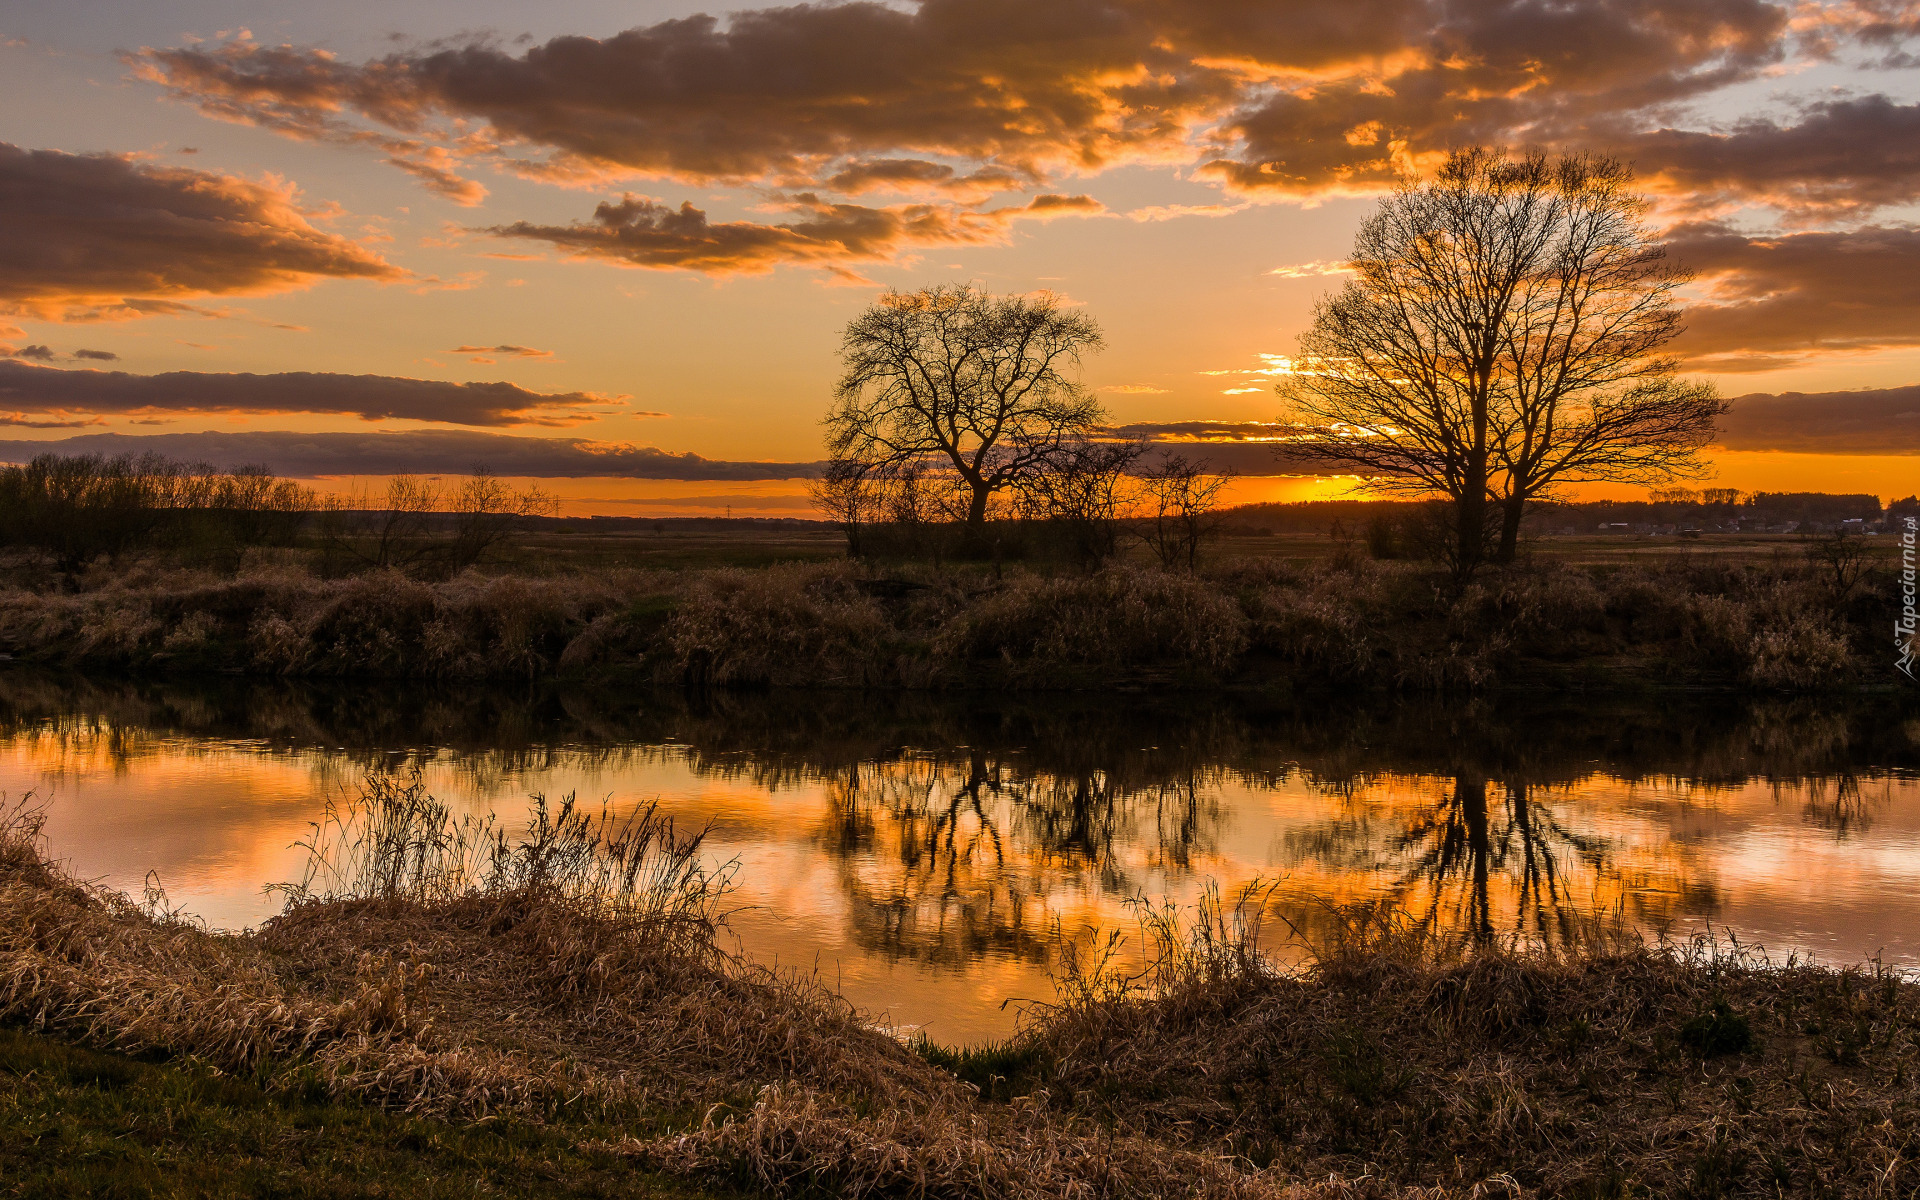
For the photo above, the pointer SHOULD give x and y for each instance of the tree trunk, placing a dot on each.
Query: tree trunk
(1472, 505)
(1470, 528)
(1471, 792)
(1513, 508)
(977, 508)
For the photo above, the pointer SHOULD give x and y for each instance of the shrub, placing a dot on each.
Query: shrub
(375, 625)
(1798, 651)
(1538, 611)
(784, 626)
(1122, 616)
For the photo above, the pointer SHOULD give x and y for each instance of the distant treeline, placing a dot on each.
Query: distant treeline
(1711, 508)
(78, 509)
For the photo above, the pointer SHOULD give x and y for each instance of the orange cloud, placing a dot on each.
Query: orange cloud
(102, 237)
(505, 350)
(1294, 98)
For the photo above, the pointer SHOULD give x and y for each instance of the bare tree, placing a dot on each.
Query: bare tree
(422, 527)
(976, 382)
(1181, 508)
(1841, 557)
(1083, 492)
(849, 495)
(394, 533)
(1584, 393)
(485, 510)
(1498, 338)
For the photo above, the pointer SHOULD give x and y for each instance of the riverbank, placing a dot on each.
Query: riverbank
(79, 1122)
(1785, 623)
(464, 1003)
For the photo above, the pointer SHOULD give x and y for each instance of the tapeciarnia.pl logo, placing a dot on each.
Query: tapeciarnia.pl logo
(1903, 625)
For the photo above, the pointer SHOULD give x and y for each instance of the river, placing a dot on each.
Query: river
(926, 854)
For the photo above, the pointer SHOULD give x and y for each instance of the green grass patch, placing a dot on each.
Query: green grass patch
(76, 1122)
(1001, 1070)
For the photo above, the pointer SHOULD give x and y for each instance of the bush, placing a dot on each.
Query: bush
(784, 626)
(1123, 616)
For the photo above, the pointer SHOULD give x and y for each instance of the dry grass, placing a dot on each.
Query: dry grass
(1121, 617)
(1607, 1068)
(278, 620)
(444, 970)
(783, 625)
(1769, 625)
(429, 965)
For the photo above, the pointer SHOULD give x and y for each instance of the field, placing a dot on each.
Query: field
(580, 545)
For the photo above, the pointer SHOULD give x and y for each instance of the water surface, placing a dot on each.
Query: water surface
(925, 853)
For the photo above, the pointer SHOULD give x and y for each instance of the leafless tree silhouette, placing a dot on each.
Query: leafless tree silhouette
(1181, 508)
(975, 383)
(1499, 338)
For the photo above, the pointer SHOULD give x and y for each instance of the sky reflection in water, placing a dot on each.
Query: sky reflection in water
(924, 853)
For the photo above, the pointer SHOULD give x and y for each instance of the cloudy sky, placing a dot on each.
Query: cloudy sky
(612, 245)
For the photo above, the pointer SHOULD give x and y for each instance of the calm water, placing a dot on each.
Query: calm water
(922, 852)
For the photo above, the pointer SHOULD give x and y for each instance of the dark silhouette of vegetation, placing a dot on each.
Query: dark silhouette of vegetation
(1083, 492)
(1342, 620)
(1180, 512)
(79, 508)
(970, 389)
(1841, 557)
(421, 527)
(1500, 338)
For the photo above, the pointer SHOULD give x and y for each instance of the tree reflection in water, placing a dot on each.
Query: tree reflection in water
(965, 828)
(946, 859)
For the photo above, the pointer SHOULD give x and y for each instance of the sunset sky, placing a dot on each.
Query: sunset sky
(611, 246)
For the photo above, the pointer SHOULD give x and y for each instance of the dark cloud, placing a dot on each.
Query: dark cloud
(1239, 458)
(1882, 26)
(919, 175)
(427, 452)
(1853, 154)
(1210, 431)
(1509, 71)
(1238, 447)
(46, 354)
(645, 233)
(1289, 97)
(99, 236)
(1882, 421)
(1772, 301)
(372, 397)
(775, 93)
